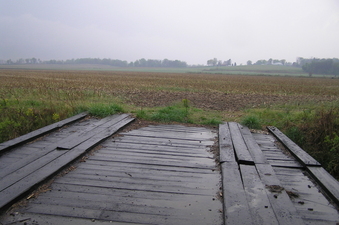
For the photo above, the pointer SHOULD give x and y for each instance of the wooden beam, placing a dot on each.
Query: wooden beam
(225, 144)
(241, 150)
(303, 157)
(236, 209)
(38, 133)
(326, 181)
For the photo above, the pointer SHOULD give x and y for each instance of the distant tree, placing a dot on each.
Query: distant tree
(9, 61)
(283, 61)
(322, 66)
(261, 62)
(249, 63)
(20, 61)
(270, 61)
(235, 64)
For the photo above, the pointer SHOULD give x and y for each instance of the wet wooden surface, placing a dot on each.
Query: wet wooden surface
(153, 175)
(28, 165)
(167, 174)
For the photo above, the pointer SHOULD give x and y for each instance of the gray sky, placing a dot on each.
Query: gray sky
(189, 30)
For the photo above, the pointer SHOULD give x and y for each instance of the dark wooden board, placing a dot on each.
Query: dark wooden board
(328, 183)
(260, 207)
(136, 173)
(282, 205)
(159, 150)
(225, 144)
(236, 208)
(151, 161)
(76, 139)
(48, 166)
(131, 184)
(241, 150)
(171, 135)
(108, 165)
(154, 155)
(164, 141)
(253, 147)
(306, 195)
(303, 157)
(155, 147)
(38, 133)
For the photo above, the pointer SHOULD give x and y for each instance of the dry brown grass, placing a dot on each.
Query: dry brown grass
(206, 91)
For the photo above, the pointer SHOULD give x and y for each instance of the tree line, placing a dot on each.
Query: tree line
(319, 66)
(106, 61)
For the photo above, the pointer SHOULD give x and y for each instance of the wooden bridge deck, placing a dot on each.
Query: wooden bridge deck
(165, 174)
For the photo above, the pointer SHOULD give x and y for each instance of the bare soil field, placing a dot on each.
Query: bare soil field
(145, 89)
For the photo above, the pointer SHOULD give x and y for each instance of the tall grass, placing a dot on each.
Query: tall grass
(315, 130)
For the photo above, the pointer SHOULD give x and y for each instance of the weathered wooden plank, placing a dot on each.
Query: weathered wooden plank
(131, 184)
(303, 157)
(54, 219)
(107, 215)
(260, 207)
(117, 165)
(145, 156)
(151, 161)
(241, 150)
(136, 173)
(163, 141)
(253, 147)
(326, 181)
(116, 144)
(75, 139)
(159, 150)
(38, 133)
(50, 167)
(225, 144)
(283, 208)
(170, 135)
(236, 208)
(285, 163)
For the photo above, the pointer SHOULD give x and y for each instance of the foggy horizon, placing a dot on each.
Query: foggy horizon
(189, 31)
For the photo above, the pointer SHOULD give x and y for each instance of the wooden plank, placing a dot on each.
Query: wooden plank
(225, 144)
(253, 147)
(159, 150)
(38, 133)
(303, 157)
(76, 139)
(185, 188)
(164, 140)
(147, 161)
(155, 155)
(285, 163)
(50, 167)
(118, 165)
(103, 214)
(326, 181)
(283, 208)
(241, 150)
(260, 207)
(236, 208)
(171, 135)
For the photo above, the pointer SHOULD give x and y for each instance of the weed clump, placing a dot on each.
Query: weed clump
(251, 122)
(103, 110)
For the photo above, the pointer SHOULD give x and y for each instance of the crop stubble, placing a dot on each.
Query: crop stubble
(144, 89)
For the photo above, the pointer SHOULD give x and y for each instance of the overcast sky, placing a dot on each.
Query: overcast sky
(189, 30)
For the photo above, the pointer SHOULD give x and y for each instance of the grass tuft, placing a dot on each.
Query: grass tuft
(103, 110)
(251, 122)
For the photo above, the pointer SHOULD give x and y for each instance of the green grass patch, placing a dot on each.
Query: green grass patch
(251, 122)
(103, 110)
